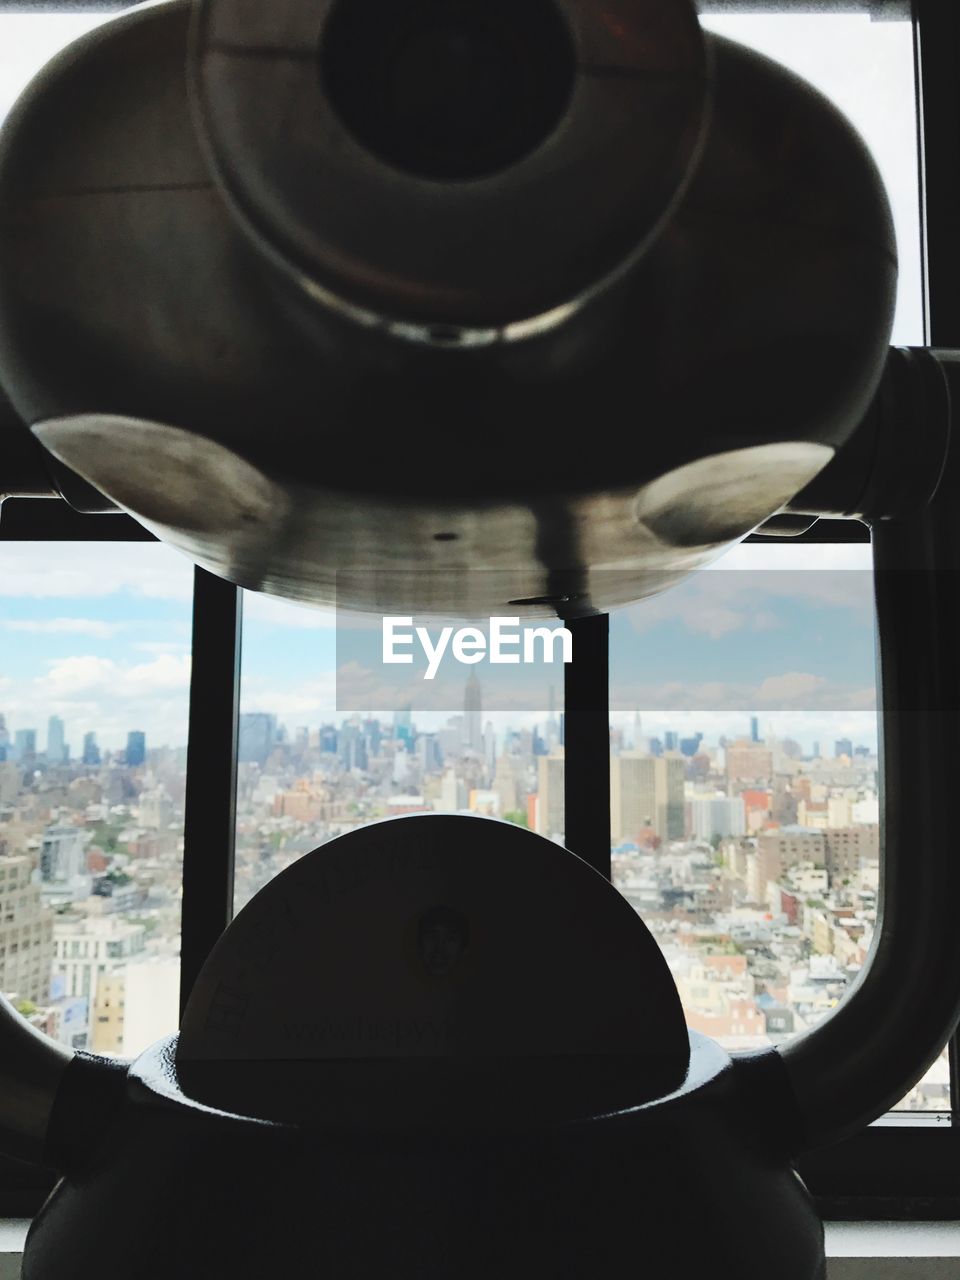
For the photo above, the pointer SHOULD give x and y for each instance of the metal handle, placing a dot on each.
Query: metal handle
(863, 1059)
(31, 1070)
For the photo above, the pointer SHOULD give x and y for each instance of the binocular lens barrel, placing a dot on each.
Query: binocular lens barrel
(448, 91)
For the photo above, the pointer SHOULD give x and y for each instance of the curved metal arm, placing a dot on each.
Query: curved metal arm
(863, 1059)
(31, 1070)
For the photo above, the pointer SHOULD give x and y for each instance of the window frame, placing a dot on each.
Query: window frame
(906, 1165)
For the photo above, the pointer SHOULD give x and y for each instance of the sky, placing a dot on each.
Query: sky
(103, 641)
(100, 636)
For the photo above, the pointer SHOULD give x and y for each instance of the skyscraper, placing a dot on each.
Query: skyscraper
(136, 747)
(373, 736)
(91, 752)
(257, 736)
(26, 933)
(56, 751)
(352, 747)
(25, 746)
(62, 856)
(647, 792)
(754, 729)
(554, 732)
(550, 772)
(403, 726)
(473, 714)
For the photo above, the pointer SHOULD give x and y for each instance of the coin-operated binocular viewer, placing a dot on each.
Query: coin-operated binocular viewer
(367, 295)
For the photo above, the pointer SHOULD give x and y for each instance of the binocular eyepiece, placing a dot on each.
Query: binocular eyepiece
(449, 91)
(456, 166)
(350, 299)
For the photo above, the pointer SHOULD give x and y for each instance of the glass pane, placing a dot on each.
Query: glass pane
(94, 682)
(866, 68)
(745, 810)
(744, 783)
(29, 40)
(309, 771)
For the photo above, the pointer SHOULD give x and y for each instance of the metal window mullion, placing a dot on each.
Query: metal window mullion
(211, 782)
(586, 717)
(937, 65)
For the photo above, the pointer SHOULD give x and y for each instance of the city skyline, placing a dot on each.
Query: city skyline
(104, 644)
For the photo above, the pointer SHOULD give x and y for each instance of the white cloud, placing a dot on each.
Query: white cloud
(93, 693)
(93, 570)
(717, 604)
(70, 677)
(89, 674)
(64, 626)
(100, 693)
(786, 693)
(310, 698)
(166, 673)
(273, 611)
(789, 687)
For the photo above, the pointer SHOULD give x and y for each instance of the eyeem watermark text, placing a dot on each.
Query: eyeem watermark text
(507, 643)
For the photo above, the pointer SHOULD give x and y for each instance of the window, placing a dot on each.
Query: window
(312, 765)
(745, 805)
(866, 67)
(93, 650)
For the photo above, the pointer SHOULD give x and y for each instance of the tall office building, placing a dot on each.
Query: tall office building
(718, 815)
(155, 810)
(56, 750)
(136, 748)
(352, 747)
(647, 792)
(26, 933)
(505, 783)
(257, 737)
(91, 752)
(843, 747)
(754, 729)
(372, 736)
(428, 753)
(554, 735)
(91, 949)
(62, 856)
(550, 819)
(748, 762)
(25, 746)
(473, 714)
(10, 783)
(403, 726)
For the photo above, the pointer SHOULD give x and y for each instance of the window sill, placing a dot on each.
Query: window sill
(892, 1250)
(856, 1250)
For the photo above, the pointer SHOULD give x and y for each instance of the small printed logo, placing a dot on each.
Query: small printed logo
(504, 642)
(442, 938)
